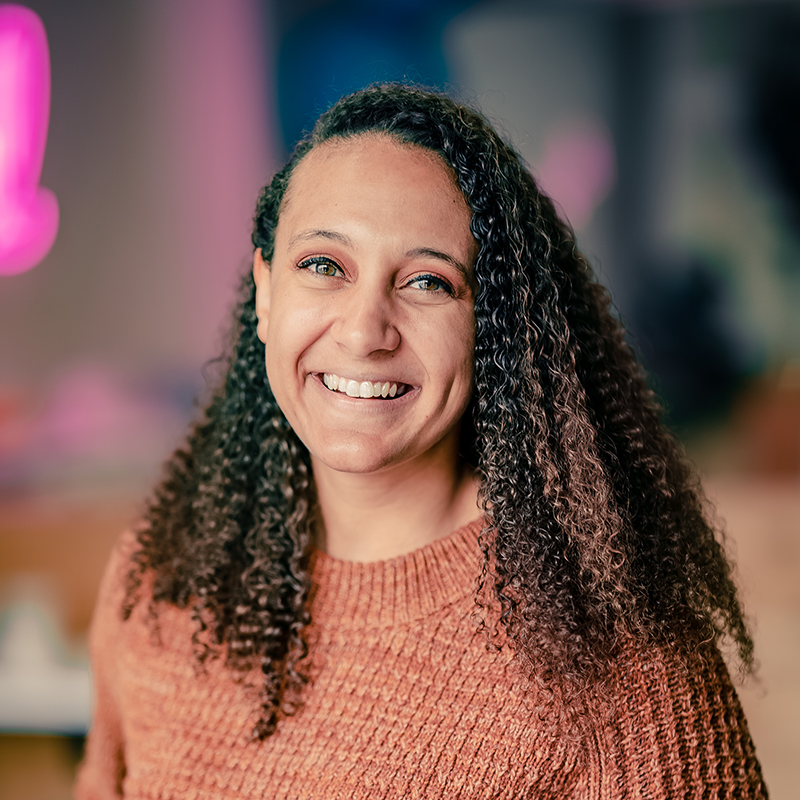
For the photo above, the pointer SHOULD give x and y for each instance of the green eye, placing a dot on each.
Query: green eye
(430, 284)
(321, 265)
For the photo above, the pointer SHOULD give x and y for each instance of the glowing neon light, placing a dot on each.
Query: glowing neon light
(28, 213)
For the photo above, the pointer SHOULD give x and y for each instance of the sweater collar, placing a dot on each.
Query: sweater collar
(352, 595)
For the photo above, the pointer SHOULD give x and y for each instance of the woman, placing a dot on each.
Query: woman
(442, 546)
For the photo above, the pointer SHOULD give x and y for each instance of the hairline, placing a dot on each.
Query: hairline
(340, 139)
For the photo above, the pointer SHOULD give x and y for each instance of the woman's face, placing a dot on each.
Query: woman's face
(367, 307)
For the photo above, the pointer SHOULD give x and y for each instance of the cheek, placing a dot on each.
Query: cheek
(456, 362)
(466, 348)
(275, 355)
(280, 377)
(287, 337)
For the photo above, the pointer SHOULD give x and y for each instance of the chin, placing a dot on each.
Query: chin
(356, 458)
(355, 464)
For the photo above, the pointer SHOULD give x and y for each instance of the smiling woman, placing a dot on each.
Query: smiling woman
(430, 538)
(371, 285)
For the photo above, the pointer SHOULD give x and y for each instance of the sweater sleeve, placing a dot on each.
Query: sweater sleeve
(679, 732)
(101, 773)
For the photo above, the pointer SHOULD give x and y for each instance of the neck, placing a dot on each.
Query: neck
(382, 515)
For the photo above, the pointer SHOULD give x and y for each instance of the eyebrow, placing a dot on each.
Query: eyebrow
(319, 233)
(429, 252)
(416, 252)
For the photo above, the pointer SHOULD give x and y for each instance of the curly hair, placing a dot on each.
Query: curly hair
(595, 530)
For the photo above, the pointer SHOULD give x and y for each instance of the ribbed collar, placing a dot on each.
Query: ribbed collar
(352, 595)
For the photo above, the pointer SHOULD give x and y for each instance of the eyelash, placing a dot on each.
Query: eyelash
(444, 286)
(309, 263)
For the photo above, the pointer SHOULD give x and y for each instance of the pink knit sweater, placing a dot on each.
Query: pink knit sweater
(405, 701)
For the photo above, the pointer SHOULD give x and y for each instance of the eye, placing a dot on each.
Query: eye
(430, 284)
(321, 265)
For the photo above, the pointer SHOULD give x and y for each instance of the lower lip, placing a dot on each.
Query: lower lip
(365, 404)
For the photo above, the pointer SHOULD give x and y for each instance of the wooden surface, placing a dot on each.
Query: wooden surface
(64, 542)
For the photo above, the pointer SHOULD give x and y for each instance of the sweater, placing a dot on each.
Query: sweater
(405, 701)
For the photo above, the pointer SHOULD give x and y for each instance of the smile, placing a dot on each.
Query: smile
(364, 389)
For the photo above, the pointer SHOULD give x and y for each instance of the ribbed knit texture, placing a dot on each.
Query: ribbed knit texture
(405, 701)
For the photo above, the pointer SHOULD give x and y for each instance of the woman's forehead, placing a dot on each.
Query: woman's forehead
(379, 193)
(363, 145)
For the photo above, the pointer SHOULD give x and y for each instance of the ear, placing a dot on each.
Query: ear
(261, 276)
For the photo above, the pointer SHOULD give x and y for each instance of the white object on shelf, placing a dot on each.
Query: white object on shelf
(41, 689)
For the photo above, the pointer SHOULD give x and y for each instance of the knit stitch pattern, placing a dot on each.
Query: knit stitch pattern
(405, 701)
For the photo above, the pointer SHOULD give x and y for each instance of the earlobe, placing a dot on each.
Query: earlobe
(261, 276)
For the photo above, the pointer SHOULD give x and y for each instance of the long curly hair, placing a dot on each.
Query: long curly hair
(595, 526)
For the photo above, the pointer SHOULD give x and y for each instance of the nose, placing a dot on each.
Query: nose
(367, 323)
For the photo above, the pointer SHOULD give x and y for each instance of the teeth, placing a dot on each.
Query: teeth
(361, 389)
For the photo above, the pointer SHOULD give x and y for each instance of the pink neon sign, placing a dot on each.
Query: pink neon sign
(28, 212)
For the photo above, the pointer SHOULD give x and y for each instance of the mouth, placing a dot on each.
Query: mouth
(364, 389)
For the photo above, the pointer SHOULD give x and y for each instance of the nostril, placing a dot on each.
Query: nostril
(367, 329)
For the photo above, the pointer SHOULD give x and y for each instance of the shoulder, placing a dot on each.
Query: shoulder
(103, 767)
(113, 585)
(125, 586)
(677, 727)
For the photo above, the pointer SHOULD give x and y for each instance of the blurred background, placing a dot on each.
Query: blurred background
(669, 132)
